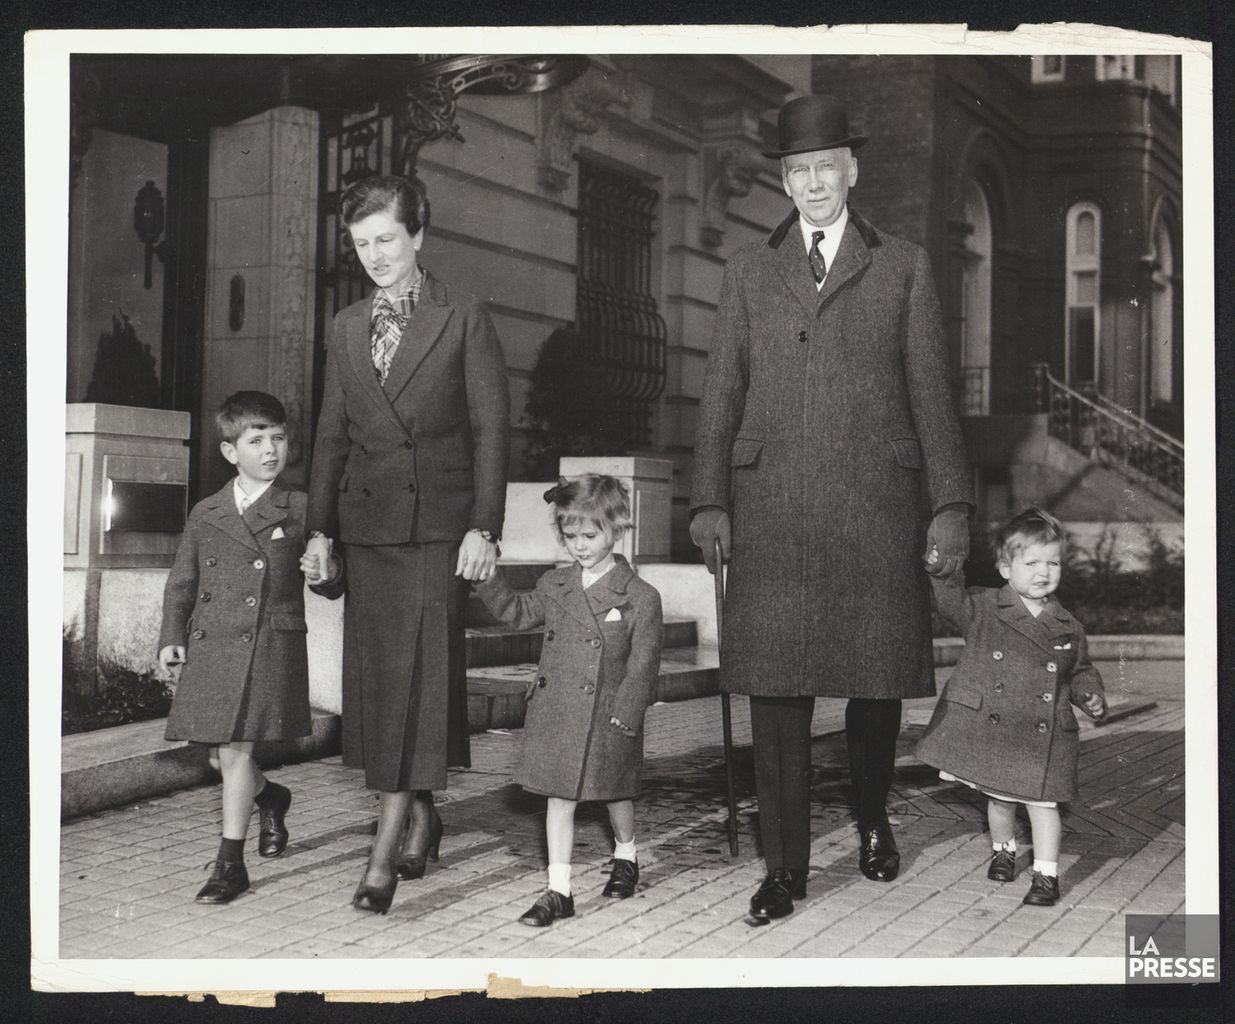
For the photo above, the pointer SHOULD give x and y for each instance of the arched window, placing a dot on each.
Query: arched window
(976, 304)
(1162, 339)
(1083, 291)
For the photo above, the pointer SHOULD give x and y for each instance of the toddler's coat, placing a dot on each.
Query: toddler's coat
(593, 665)
(1004, 721)
(235, 600)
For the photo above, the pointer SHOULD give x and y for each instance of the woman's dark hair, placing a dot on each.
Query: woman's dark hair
(408, 199)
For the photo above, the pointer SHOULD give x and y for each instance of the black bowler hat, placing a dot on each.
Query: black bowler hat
(810, 123)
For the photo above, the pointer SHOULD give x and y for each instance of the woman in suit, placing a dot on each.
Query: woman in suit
(409, 473)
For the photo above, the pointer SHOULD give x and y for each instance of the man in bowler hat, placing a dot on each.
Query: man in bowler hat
(828, 461)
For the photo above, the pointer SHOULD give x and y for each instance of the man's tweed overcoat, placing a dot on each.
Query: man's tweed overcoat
(235, 599)
(601, 657)
(827, 430)
(1004, 721)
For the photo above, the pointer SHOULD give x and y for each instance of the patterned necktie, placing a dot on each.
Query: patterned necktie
(385, 330)
(818, 266)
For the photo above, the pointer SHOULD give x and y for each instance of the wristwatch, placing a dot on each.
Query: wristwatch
(486, 534)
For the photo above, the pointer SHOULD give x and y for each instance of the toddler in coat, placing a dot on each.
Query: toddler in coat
(582, 738)
(233, 630)
(1004, 723)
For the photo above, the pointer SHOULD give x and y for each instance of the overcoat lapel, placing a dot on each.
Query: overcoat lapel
(360, 355)
(423, 328)
(1013, 612)
(567, 591)
(610, 590)
(223, 515)
(268, 511)
(794, 267)
(852, 258)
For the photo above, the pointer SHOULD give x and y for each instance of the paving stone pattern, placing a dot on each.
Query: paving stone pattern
(128, 876)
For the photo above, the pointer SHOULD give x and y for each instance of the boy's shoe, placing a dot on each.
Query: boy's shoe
(228, 880)
(1003, 866)
(272, 831)
(550, 905)
(1043, 891)
(622, 879)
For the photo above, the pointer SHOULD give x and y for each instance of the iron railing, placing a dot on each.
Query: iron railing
(1111, 435)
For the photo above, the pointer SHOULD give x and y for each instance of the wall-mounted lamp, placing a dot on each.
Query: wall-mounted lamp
(148, 221)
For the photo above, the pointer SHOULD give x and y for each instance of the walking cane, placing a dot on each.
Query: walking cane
(726, 722)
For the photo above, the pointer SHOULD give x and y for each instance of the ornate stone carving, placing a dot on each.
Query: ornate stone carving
(729, 171)
(579, 108)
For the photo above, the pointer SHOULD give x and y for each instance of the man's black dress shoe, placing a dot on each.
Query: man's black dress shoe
(228, 880)
(1043, 891)
(797, 882)
(774, 898)
(549, 906)
(622, 879)
(879, 860)
(412, 865)
(375, 899)
(1003, 866)
(272, 830)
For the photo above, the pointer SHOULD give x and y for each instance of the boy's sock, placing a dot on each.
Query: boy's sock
(624, 851)
(232, 850)
(559, 878)
(1047, 867)
(1010, 846)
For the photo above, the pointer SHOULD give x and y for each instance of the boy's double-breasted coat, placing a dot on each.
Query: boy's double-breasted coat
(1004, 721)
(827, 430)
(235, 599)
(601, 658)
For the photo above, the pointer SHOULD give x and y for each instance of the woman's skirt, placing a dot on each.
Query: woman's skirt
(404, 665)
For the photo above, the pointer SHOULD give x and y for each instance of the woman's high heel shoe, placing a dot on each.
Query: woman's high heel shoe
(375, 899)
(412, 865)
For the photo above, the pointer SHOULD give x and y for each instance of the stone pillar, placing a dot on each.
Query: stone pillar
(260, 283)
(651, 490)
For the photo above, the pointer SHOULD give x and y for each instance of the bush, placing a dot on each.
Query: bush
(115, 696)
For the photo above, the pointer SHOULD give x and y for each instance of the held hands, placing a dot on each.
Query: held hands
(947, 539)
(319, 553)
(171, 658)
(477, 557)
(621, 726)
(708, 526)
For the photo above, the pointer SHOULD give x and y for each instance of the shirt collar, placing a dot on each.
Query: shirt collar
(405, 302)
(831, 237)
(590, 576)
(241, 495)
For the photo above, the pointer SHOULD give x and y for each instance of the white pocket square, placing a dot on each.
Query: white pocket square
(277, 534)
(613, 616)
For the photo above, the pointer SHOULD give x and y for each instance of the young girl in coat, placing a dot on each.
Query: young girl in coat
(582, 737)
(1004, 724)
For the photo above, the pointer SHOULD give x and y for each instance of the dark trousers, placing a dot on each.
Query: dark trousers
(780, 735)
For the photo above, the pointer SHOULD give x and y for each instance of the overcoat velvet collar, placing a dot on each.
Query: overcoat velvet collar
(852, 258)
(420, 334)
(566, 589)
(1049, 630)
(271, 508)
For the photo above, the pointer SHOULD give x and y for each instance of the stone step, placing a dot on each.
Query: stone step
(495, 694)
(499, 645)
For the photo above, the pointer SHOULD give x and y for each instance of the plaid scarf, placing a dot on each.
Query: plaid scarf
(386, 324)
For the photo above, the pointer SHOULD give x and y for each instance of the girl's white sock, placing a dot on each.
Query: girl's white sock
(1047, 867)
(1010, 846)
(624, 851)
(559, 878)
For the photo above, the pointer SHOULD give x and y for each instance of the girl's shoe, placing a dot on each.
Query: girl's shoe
(1003, 866)
(622, 879)
(548, 908)
(412, 865)
(1043, 891)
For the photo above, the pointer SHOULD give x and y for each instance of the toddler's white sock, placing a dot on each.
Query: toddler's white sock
(624, 851)
(1010, 846)
(1047, 867)
(559, 878)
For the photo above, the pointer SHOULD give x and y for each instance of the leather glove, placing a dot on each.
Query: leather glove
(948, 535)
(708, 525)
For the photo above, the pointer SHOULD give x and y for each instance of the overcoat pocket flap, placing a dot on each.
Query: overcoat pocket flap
(746, 451)
(907, 452)
(963, 695)
(282, 620)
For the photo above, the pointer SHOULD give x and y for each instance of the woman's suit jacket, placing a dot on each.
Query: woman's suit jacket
(827, 429)
(423, 458)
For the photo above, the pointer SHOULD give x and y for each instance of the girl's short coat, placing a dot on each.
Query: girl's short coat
(1004, 721)
(601, 658)
(235, 599)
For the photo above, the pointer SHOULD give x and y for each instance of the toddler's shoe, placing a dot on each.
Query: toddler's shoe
(622, 880)
(550, 905)
(1043, 891)
(1003, 866)
(228, 880)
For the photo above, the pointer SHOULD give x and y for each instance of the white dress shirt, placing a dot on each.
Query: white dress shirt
(244, 500)
(831, 239)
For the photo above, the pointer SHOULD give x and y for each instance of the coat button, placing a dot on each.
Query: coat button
(411, 487)
(258, 564)
(212, 561)
(997, 655)
(250, 600)
(589, 688)
(801, 336)
(198, 634)
(205, 596)
(541, 680)
(1051, 666)
(1048, 697)
(549, 635)
(994, 719)
(366, 492)
(408, 444)
(595, 641)
(1042, 727)
(246, 638)
(998, 687)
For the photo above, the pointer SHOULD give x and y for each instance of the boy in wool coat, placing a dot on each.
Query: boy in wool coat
(234, 629)
(1004, 724)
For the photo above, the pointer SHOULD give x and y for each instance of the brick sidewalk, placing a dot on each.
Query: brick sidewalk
(128, 876)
